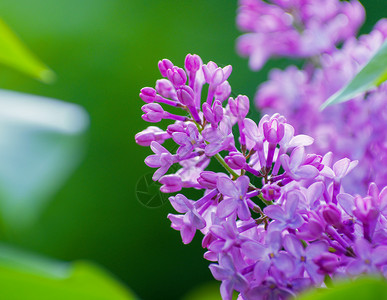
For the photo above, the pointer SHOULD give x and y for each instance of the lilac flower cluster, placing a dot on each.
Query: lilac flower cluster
(294, 28)
(269, 240)
(355, 129)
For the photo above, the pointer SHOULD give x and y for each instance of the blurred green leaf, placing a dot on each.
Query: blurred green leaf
(26, 276)
(41, 142)
(15, 55)
(360, 289)
(373, 74)
(207, 291)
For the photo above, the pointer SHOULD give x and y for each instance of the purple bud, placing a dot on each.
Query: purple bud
(240, 106)
(192, 63)
(327, 263)
(207, 112)
(313, 229)
(217, 110)
(271, 192)
(153, 112)
(222, 91)
(209, 179)
(177, 76)
(175, 128)
(332, 215)
(215, 114)
(274, 129)
(164, 66)
(152, 133)
(148, 94)
(170, 183)
(235, 160)
(165, 88)
(186, 95)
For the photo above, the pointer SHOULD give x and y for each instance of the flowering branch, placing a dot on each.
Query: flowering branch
(308, 229)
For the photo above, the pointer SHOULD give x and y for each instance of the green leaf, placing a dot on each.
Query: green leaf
(360, 289)
(26, 276)
(41, 143)
(15, 55)
(207, 291)
(371, 75)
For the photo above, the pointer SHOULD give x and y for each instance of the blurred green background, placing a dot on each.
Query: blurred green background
(104, 52)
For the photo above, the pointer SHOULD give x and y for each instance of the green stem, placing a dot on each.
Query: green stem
(220, 159)
(328, 281)
(267, 203)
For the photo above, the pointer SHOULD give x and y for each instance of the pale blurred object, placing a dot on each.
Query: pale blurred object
(41, 143)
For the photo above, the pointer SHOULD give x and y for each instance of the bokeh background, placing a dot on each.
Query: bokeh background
(103, 52)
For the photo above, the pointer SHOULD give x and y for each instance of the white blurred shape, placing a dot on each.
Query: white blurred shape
(41, 143)
(41, 111)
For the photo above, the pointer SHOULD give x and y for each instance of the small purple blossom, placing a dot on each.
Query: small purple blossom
(295, 167)
(235, 197)
(162, 160)
(368, 259)
(190, 222)
(219, 138)
(187, 140)
(230, 277)
(286, 217)
(304, 257)
(214, 75)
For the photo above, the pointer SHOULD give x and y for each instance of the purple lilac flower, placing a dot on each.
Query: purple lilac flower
(278, 220)
(235, 197)
(188, 223)
(219, 138)
(286, 217)
(186, 140)
(230, 277)
(312, 31)
(162, 159)
(304, 256)
(368, 259)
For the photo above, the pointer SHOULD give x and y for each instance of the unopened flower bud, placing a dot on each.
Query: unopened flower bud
(192, 63)
(327, 263)
(170, 183)
(332, 215)
(215, 114)
(186, 95)
(235, 160)
(177, 76)
(153, 112)
(152, 133)
(164, 66)
(222, 91)
(274, 129)
(175, 128)
(240, 106)
(165, 88)
(148, 94)
(209, 179)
